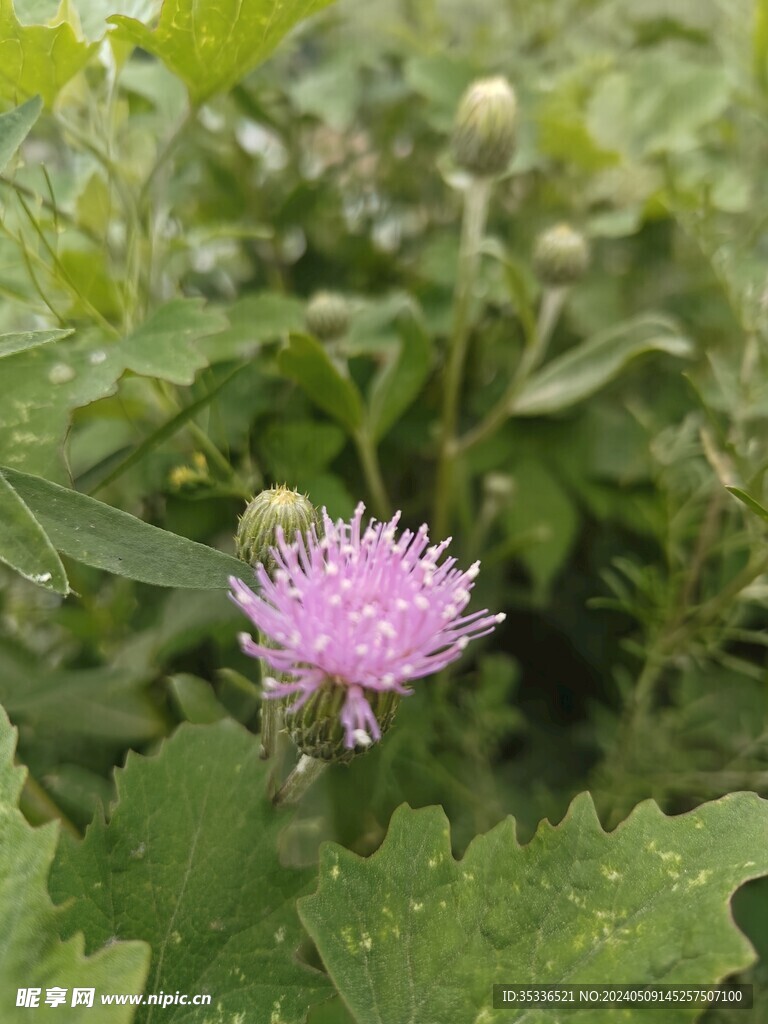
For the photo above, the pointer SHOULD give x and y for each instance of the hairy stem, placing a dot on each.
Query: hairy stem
(552, 302)
(369, 461)
(306, 772)
(476, 200)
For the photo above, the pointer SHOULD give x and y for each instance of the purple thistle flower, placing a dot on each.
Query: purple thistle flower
(362, 610)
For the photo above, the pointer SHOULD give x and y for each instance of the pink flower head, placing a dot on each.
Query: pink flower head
(362, 610)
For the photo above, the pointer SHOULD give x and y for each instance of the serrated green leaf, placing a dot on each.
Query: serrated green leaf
(165, 344)
(24, 545)
(398, 385)
(31, 954)
(581, 372)
(752, 503)
(306, 362)
(107, 538)
(410, 934)
(189, 862)
(38, 58)
(15, 126)
(212, 44)
(12, 344)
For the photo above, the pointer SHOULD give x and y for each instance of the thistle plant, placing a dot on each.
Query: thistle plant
(482, 145)
(167, 222)
(356, 613)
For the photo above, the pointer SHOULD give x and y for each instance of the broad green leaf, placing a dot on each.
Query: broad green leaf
(15, 126)
(38, 59)
(581, 372)
(104, 704)
(24, 545)
(12, 344)
(752, 503)
(189, 862)
(307, 363)
(398, 385)
(410, 934)
(31, 954)
(165, 345)
(107, 538)
(212, 44)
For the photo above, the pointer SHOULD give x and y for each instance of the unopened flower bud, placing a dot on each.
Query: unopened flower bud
(560, 256)
(327, 316)
(484, 131)
(257, 529)
(318, 730)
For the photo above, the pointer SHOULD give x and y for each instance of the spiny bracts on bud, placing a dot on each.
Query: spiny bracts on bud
(327, 316)
(485, 129)
(318, 728)
(560, 256)
(356, 615)
(273, 509)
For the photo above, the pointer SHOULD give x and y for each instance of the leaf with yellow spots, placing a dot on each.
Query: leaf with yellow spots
(411, 935)
(189, 863)
(212, 44)
(31, 954)
(39, 59)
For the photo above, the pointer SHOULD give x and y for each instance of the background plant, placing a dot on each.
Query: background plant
(167, 214)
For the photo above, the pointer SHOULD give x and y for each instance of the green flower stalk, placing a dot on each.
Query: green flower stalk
(485, 129)
(483, 142)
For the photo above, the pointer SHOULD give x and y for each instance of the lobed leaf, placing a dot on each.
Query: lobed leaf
(31, 953)
(12, 344)
(189, 863)
(409, 934)
(212, 44)
(165, 345)
(38, 58)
